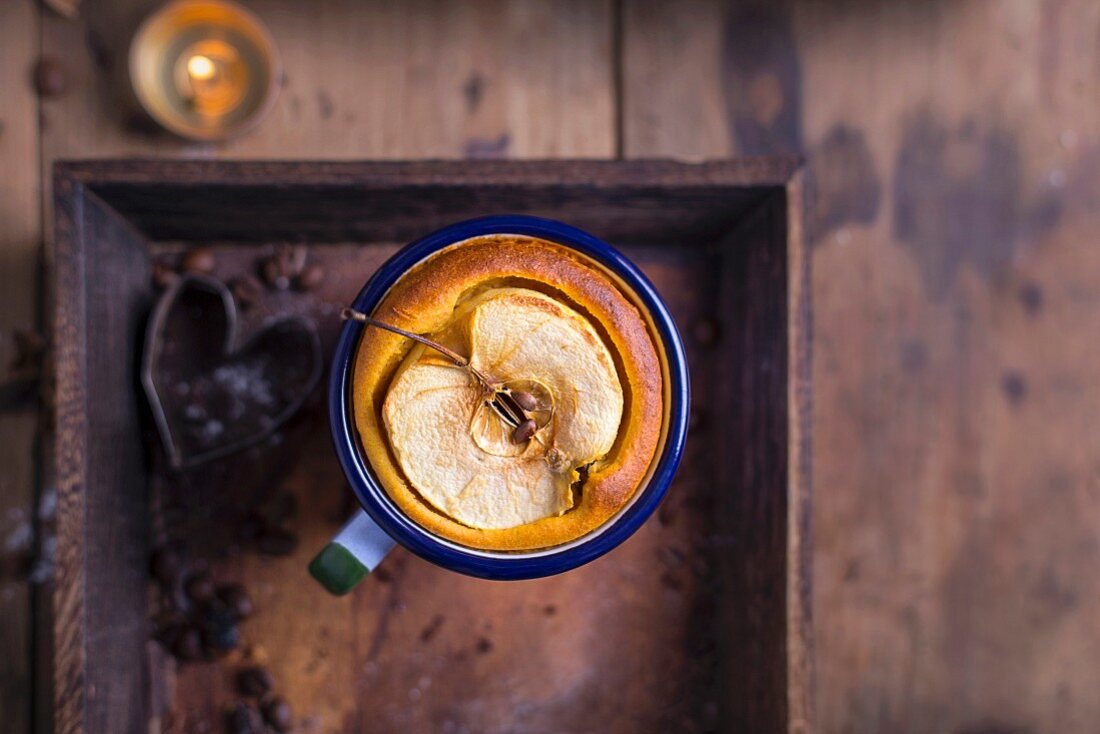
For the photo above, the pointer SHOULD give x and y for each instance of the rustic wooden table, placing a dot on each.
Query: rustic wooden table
(953, 148)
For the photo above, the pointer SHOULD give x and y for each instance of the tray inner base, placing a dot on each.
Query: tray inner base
(635, 636)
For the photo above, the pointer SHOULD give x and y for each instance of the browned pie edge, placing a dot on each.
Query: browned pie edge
(423, 301)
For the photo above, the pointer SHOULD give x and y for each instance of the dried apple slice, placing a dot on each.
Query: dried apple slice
(457, 450)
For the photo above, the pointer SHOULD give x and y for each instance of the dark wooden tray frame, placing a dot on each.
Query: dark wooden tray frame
(107, 211)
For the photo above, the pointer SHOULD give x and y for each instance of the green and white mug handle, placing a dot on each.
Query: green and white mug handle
(355, 551)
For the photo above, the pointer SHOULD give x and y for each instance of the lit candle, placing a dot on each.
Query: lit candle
(201, 68)
(211, 77)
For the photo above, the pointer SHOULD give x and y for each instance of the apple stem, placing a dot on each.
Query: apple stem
(458, 359)
(500, 399)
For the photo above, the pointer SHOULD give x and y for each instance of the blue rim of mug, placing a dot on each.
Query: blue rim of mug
(501, 565)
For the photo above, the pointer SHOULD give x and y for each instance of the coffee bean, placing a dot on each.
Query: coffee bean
(248, 291)
(236, 600)
(705, 332)
(166, 565)
(199, 260)
(283, 507)
(244, 718)
(277, 542)
(168, 627)
(50, 79)
(219, 629)
(284, 266)
(200, 587)
(250, 526)
(188, 645)
(255, 681)
(525, 400)
(278, 714)
(524, 431)
(311, 277)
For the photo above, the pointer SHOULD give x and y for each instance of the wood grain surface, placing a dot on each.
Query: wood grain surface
(20, 239)
(420, 79)
(952, 149)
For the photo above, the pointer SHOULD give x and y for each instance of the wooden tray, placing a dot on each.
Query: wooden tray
(700, 622)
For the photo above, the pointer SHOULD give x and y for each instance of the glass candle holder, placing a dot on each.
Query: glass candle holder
(204, 69)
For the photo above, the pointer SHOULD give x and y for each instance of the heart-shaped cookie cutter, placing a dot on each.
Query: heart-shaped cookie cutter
(178, 456)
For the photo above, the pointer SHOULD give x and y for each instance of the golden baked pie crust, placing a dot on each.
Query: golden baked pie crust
(424, 301)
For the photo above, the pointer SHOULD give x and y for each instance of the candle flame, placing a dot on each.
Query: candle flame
(200, 67)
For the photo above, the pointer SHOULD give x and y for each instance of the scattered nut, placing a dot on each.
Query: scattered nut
(311, 277)
(284, 266)
(164, 274)
(199, 260)
(69, 9)
(248, 291)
